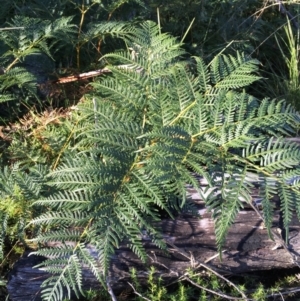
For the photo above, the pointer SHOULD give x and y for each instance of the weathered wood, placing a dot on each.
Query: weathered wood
(191, 242)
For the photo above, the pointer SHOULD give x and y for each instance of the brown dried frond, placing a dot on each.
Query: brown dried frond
(3, 134)
(49, 116)
(32, 123)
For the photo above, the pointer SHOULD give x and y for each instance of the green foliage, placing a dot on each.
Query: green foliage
(285, 80)
(18, 189)
(23, 177)
(157, 291)
(132, 149)
(104, 176)
(41, 40)
(26, 56)
(50, 38)
(260, 293)
(17, 83)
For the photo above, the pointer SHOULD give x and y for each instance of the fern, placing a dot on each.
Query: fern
(137, 139)
(36, 36)
(3, 231)
(17, 82)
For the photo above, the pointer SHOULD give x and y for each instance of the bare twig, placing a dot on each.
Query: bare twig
(137, 293)
(200, 264)
(110, 291)
(285, 292)
(11, 28)
(214, 292)
(213, 257)
(277, 237)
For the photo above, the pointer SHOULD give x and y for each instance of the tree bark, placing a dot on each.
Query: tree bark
(191, 243)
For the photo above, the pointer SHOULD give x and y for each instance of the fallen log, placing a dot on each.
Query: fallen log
(191, 244)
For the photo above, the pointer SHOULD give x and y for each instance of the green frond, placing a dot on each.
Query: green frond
(287, 197)
(273, 154)
(225, 206)
(139, 138)
(154, 51)
(172, 142)
(69, 277)
(35, 32)
(267, 191)
(66, 217)
(66, 264)
(145, 182)
(186, 90)
(291, 176)
(228, 72)
(107, 242)
(88, 259)
(203, 75)
(103, 30)
(66, 199)
(17, 77)
(65, 235)
(276, 118)
(6, 97)
(3, 231)
(58, 252)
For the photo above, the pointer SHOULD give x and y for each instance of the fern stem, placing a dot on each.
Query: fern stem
(18, 58)
(83, 11)
(205, 132)
(222, 51)
(78, 46)
(187, 31)
(12, 64)
(182, 112)
(144, 118)
(8, 254)
(200, 264)
(64, 146)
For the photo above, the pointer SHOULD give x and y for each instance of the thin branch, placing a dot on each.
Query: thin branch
(200, 264)
(214, 292)
(278, 238)
(11, 28)
(137, 293)
(110, 291)
(286, 292)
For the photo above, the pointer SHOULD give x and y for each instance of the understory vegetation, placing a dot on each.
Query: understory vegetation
(179, 88)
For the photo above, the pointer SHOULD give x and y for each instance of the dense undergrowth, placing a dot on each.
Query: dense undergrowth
(92, 149)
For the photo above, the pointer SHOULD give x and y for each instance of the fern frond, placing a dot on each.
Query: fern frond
(228, 72)
(6, 97)
(203, 75)
(66, 217)
(3, 230)
(153, 51)
(268, 190)
(18, 77)
(66, 199)
(59, 236)
(287, 197)
(139, 137)
(103, 30)
(227, 205)
(273, 155)
(106, 242)
(69, 276)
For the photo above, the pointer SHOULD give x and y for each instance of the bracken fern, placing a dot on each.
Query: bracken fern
(146, 127)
